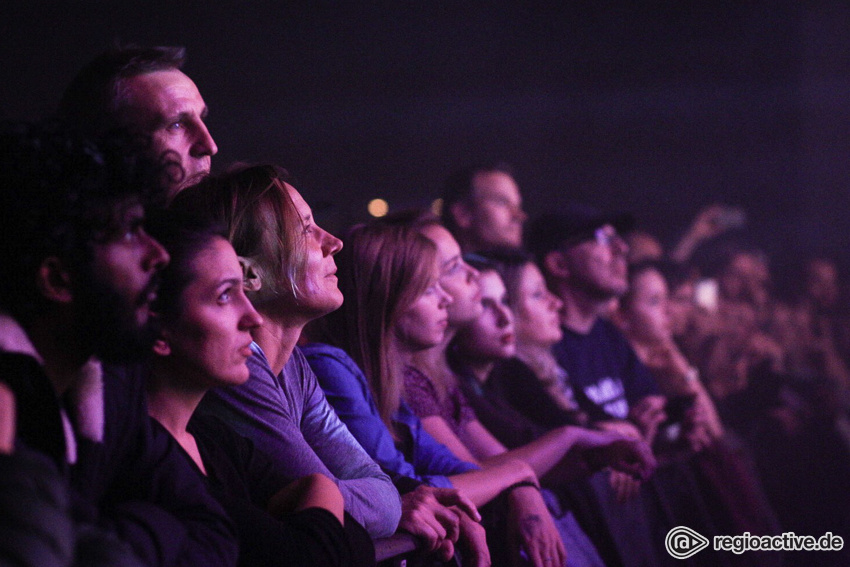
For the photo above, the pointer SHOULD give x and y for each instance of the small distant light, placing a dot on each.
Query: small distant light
(378, 207)
(437, 206)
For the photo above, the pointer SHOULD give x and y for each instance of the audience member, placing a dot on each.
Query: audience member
(744, 282)
(784, 407)
(583, 258)
(394, 307)
(36, 528)
(78, 274)
(143, 90)
(731, 486)
(482, 208)
(532, 381)
(815, 333)
(643, 318)
(489, 339)
(477, 348)
(290, 278)
(205, 340)
(538, 389)
(738, 345)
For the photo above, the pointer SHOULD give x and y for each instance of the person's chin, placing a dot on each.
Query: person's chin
(332, 303)
(239, 377)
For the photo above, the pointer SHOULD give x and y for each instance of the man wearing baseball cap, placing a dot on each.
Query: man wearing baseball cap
(583, 256)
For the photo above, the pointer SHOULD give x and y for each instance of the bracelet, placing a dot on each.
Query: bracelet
(521, 484)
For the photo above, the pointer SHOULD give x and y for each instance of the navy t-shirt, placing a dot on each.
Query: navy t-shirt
(604, 370)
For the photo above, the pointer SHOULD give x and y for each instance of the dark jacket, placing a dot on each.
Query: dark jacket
(135, 482)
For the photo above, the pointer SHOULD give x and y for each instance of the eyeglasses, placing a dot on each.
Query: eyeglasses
(605, 235)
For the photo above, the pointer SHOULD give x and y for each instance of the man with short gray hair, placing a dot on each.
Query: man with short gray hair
(143, 90)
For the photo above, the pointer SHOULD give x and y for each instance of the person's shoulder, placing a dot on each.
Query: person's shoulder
(297, 373)
(321, 349)
(297, 365)
(413, 373)
(604, 326)
(606, 329)
(257, 362)
(417, 381)
(323, 352)
(506, 373)
(335, 370)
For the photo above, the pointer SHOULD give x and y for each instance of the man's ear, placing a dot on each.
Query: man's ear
(251, 274)
(461, 214)
(555, 264)
(161, 347)
(54, 281)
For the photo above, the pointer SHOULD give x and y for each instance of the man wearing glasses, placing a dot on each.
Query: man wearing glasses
(583, 256)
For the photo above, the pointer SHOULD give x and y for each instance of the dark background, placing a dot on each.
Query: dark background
(658, 109)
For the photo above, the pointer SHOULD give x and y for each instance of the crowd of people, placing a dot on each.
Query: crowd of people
(192, 372)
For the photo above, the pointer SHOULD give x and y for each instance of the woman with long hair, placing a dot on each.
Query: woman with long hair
(204, 342)
(289, 273)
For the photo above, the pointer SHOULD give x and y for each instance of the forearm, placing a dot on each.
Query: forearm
(483, 485)
(542, 454)
(313, 491)
(375, 504)
(684, 248)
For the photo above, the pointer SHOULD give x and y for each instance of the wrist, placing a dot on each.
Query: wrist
(521, 484)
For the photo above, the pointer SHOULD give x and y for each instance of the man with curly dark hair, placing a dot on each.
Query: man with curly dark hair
(78, 274)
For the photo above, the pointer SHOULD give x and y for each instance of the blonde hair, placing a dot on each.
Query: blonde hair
(262, 223)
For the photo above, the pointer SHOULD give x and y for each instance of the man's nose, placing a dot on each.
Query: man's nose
(204, 145)
(156, 257)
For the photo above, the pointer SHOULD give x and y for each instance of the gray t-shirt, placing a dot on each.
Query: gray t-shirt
(288, 417)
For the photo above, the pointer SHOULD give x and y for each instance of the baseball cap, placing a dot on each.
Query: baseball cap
(574, 224)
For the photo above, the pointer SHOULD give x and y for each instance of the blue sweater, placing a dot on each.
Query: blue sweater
(346, 388)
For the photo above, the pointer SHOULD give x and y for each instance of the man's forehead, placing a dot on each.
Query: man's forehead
(117, 217)
(495, 184)
(162, 94)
